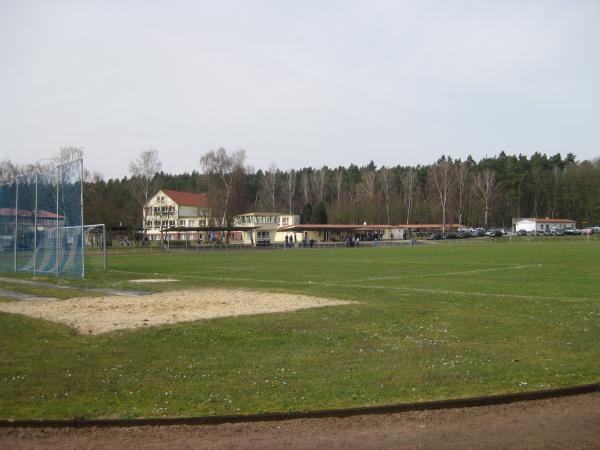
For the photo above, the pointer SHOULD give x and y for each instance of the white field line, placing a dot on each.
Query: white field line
(362, 286)
(436, 274)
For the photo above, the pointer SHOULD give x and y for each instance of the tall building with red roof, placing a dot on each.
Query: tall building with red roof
(169, 209)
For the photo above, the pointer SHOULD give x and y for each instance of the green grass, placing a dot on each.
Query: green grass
(432, 322)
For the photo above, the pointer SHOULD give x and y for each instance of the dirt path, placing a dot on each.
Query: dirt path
(567, 422)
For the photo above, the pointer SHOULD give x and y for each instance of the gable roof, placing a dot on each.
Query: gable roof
(187, 198)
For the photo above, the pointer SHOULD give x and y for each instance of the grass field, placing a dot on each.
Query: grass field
(432, 322)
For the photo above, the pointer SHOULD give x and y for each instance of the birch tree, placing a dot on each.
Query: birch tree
(305, 187)
(144, 183)
(270, 185)
(224, 171)
(291, 178)
(319, 181)
(461, 173)
(485, 187)
(409, 182)
(441, 173)
(338, 183)
(386, 182)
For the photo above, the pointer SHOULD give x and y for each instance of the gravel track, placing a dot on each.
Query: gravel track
(558, 423)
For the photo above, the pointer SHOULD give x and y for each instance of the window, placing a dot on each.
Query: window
(171, 223)
(182, 223)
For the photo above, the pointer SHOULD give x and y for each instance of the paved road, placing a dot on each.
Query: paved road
(561, 423)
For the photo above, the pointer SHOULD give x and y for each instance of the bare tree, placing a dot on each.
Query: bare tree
(441, 173)
(386, 182)
(338, 181)
(290, 187)
(319, 181)
(305, 187)
(485, 184)
(224, 171)
(409, 182)
(8, 171)
(368, 191)
(556, 174)
(144, 183)
(67, 154)
(270, 185)
(461, 173)
(355, 192)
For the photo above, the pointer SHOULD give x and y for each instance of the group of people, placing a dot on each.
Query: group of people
(353, 241)
(289, 241)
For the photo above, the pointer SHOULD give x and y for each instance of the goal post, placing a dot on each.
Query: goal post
(94, 247)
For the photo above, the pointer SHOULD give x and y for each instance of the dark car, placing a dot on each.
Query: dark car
(478, 232)
(521, 233)
(464, 234)
(434, 237)
(451, 236)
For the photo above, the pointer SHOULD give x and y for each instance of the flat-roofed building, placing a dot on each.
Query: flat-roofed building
(264, 227)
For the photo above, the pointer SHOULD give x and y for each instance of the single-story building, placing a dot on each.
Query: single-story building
(426, 228)
(536, 225)
(341, 232)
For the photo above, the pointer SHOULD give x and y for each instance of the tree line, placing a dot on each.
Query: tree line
(489, 192)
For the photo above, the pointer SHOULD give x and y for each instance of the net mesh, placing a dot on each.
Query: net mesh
(95, 247)
(7, 226)
(41, 223)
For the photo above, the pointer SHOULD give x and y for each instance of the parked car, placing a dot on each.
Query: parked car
(451, 236)
(521, 233)
(465, 234)
(434, 237)
(495, 232)
(478, 232)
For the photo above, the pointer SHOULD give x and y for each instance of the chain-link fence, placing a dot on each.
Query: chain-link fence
(41, 222)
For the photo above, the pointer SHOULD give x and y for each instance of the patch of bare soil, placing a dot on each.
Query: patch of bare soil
(95, 315)
(560, 423)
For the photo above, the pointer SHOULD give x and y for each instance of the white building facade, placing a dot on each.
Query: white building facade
(169, 209)
(263, 227)
(534, 225)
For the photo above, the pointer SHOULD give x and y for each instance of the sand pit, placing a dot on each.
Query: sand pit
(95, 315)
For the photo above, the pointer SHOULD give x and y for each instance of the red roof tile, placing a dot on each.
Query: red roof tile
(10, 212)
(554, 220)
(187, 198)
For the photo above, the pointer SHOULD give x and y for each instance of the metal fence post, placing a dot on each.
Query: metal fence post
(104, 245)
(82, 229)
(35, 214)
(16, 222)
(57, 239)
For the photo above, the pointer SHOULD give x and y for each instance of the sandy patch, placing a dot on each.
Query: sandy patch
(95, 315)
(153, 280)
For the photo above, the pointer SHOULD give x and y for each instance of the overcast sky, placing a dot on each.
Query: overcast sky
(298, 83)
